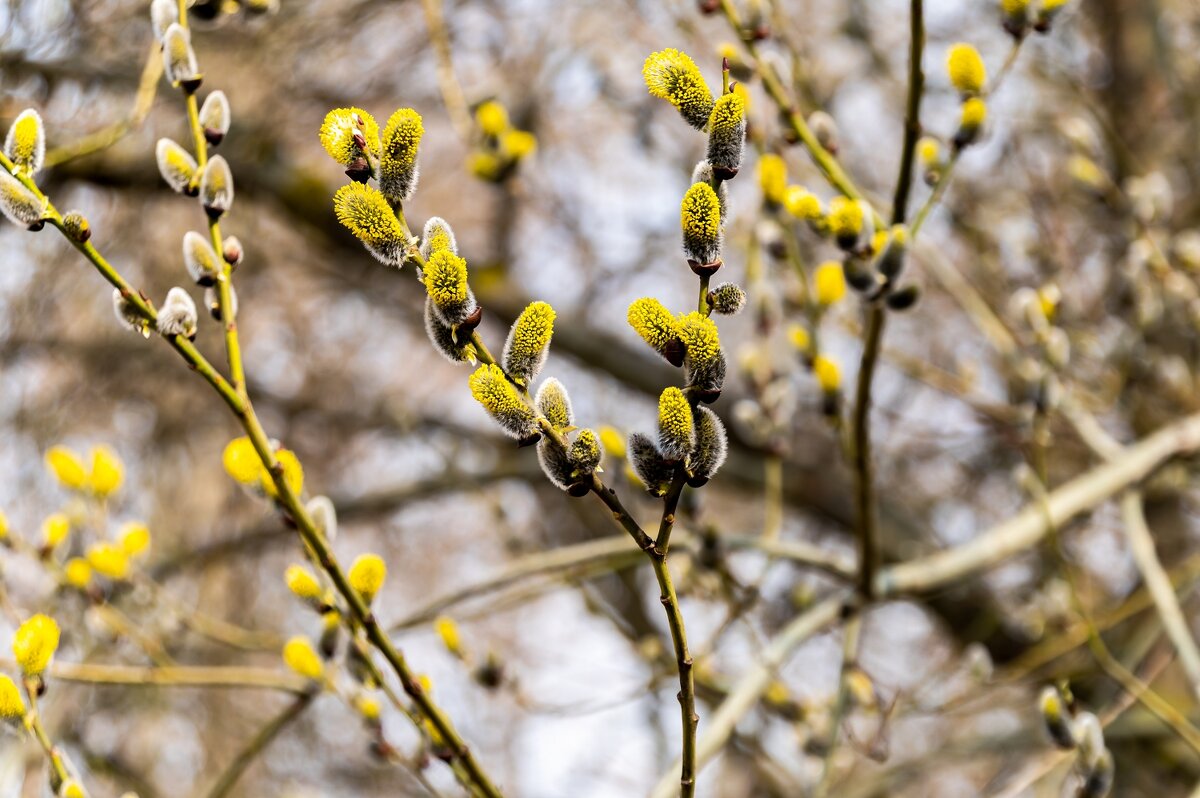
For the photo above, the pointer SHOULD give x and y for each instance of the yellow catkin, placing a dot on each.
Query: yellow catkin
(338, 129)
(77, 573)
(772, 177)
(802, 203)
(828, 375)
(241, 461)
(67, 467)
(367, 574)
(499, 397)
(293, 475)
(55, 529)
(492, 118)
(107, 472)
(109, 560)
(447, 632)
(829, 282)
(966, 69)
(302, 658)
(845, 218)
(613, 441)
(302, 582)
(673, 76)
(34, 644)
(12, 706)
(653, 322)
(134, 539)
(799, 338)
(365, 212)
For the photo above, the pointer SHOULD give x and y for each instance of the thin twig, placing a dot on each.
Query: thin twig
(266, 735)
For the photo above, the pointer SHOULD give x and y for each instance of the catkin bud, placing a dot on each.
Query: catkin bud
(76, 226)
(891, 260)
(215, 117)
(1055, 718)
(974, 114)
(846, 221)
(673, 76)
(216, 187)
(232, 250)
(1046, 14)
(1098, 780)
(303, 583)
(178, 315)
(447, 632)
(658, 327)
(727, 299)
(201, 261)
(704, 362)
(1016, 16)
(25, 144)
(163, 13)
(20, 205)
(176, 165)
(212, 300)
(528, 343)
(903, 298)
(966, 69)
(128, 314)
(1089, 737)
(711, 447)
(825, 129)
(703, 173)
(324, 516)
(437, 236)
(445, 279)
(179, 60)
(553, 402)
(648, 464)
(499, 397)
(700, 219)
(364, 211)
(398, 172)
(727, 135)
(676, 429)
(442, 336)
(555, 463)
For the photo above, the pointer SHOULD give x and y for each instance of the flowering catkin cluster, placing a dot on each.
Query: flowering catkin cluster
(375, 216)
(499, 147)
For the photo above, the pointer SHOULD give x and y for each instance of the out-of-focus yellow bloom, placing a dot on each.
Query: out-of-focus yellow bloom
(67, 467)
(518, 143)
(77, 573)
(367, 574)
(242, 462)
(772, 177)
(55, 529)
(368, 707)
(613, 441)
(802, 203)
(447, 632)
(830, 283)
(12, 706)
(3, 526)
(799, 338)
(492, 117)
(107, 472)
(828, 375)
(302, 582)
(301, 657)
(293, 474)
(109, 559)
(34, 644)
(484, 165)
(134, 539)
(966, 69)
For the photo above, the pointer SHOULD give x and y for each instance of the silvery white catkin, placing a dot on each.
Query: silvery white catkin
(655, 472)
(20, 205)
(179, 60)
(25, 144)
(178, 314)
(201, 260)
(324, 515)
(216, 187)
(175, 164)
(553, 402)
(215, 117)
